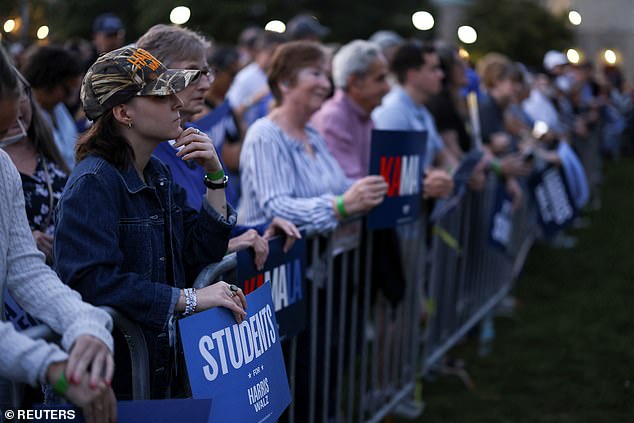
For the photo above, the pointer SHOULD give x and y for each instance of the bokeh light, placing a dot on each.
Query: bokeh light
(423, 20)
(275, 26)
(180, 15)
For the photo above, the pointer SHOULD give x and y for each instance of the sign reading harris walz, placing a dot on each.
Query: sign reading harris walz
(555, 206)
(398, 156)
(285, 272)
(239, 366)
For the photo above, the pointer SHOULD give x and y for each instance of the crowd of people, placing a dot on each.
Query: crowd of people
(131, 167)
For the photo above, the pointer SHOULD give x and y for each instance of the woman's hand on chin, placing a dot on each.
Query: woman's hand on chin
(198, 146)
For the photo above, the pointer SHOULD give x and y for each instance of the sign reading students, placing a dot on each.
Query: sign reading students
(239, 366)
(555, 206)
(285, 272)
(398, 156)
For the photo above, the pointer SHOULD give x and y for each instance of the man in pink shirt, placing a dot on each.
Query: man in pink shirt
(360, 71)
(359, 74)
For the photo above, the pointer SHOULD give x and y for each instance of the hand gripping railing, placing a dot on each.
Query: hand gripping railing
(136, 345)
(214, 270)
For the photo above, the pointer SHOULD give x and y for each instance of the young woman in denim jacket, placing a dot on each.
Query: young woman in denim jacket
(124, 235)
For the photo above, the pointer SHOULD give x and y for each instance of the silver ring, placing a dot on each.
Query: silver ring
(234, 288)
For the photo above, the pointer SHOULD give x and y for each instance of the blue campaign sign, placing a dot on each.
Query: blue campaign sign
(461, 176)
(501, 221)
(555, 205)
(240, 367)
(15, 314)
(286, 273)
(155, 411)
(398, 156)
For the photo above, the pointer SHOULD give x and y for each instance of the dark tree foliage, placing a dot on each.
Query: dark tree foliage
(224, 19)
(520, 29)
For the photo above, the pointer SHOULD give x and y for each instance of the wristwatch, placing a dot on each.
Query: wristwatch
(216, 185)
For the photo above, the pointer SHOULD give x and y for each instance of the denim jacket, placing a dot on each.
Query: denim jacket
(110, 241)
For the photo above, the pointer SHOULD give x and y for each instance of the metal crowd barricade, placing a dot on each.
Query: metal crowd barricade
(136, 345)
(469, 278)
(362, 356)
(589, 152)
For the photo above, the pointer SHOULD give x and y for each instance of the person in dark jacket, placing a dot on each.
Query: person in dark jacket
(125, 236)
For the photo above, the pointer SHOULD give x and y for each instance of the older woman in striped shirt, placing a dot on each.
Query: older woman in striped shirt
(285, 166)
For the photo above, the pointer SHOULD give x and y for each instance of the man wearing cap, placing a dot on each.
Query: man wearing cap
(108, 33)
(307, 28)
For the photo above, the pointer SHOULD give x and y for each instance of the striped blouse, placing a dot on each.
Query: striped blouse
(280, 178)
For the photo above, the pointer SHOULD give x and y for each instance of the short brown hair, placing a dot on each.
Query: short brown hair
(289, 59)
(495, 67)
(171, 44)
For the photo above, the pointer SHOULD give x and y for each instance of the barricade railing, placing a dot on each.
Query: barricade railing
(469, 277)
(136, 345)
(588, 151)
(362, 352)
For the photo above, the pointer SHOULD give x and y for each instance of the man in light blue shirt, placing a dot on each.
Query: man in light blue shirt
(417, 69)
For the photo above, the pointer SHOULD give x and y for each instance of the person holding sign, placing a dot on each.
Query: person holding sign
(285, 166)
(82, 371)
(418, 71)
(360, 77)
(125, 236)
(501, 79)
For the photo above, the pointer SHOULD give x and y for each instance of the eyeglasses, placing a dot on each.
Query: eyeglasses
(206, 73)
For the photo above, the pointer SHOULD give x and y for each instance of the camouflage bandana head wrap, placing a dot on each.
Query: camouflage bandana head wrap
(121, 74)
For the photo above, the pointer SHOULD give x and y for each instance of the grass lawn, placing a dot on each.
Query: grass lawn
(568, 353)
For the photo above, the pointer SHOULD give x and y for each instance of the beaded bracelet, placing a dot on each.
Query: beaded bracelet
(191, 301)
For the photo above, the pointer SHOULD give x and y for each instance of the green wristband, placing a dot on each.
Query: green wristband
(495, 165)
(216, 176)
(61, 386)
(341, 208)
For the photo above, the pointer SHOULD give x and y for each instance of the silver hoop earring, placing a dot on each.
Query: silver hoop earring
(130, 125)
